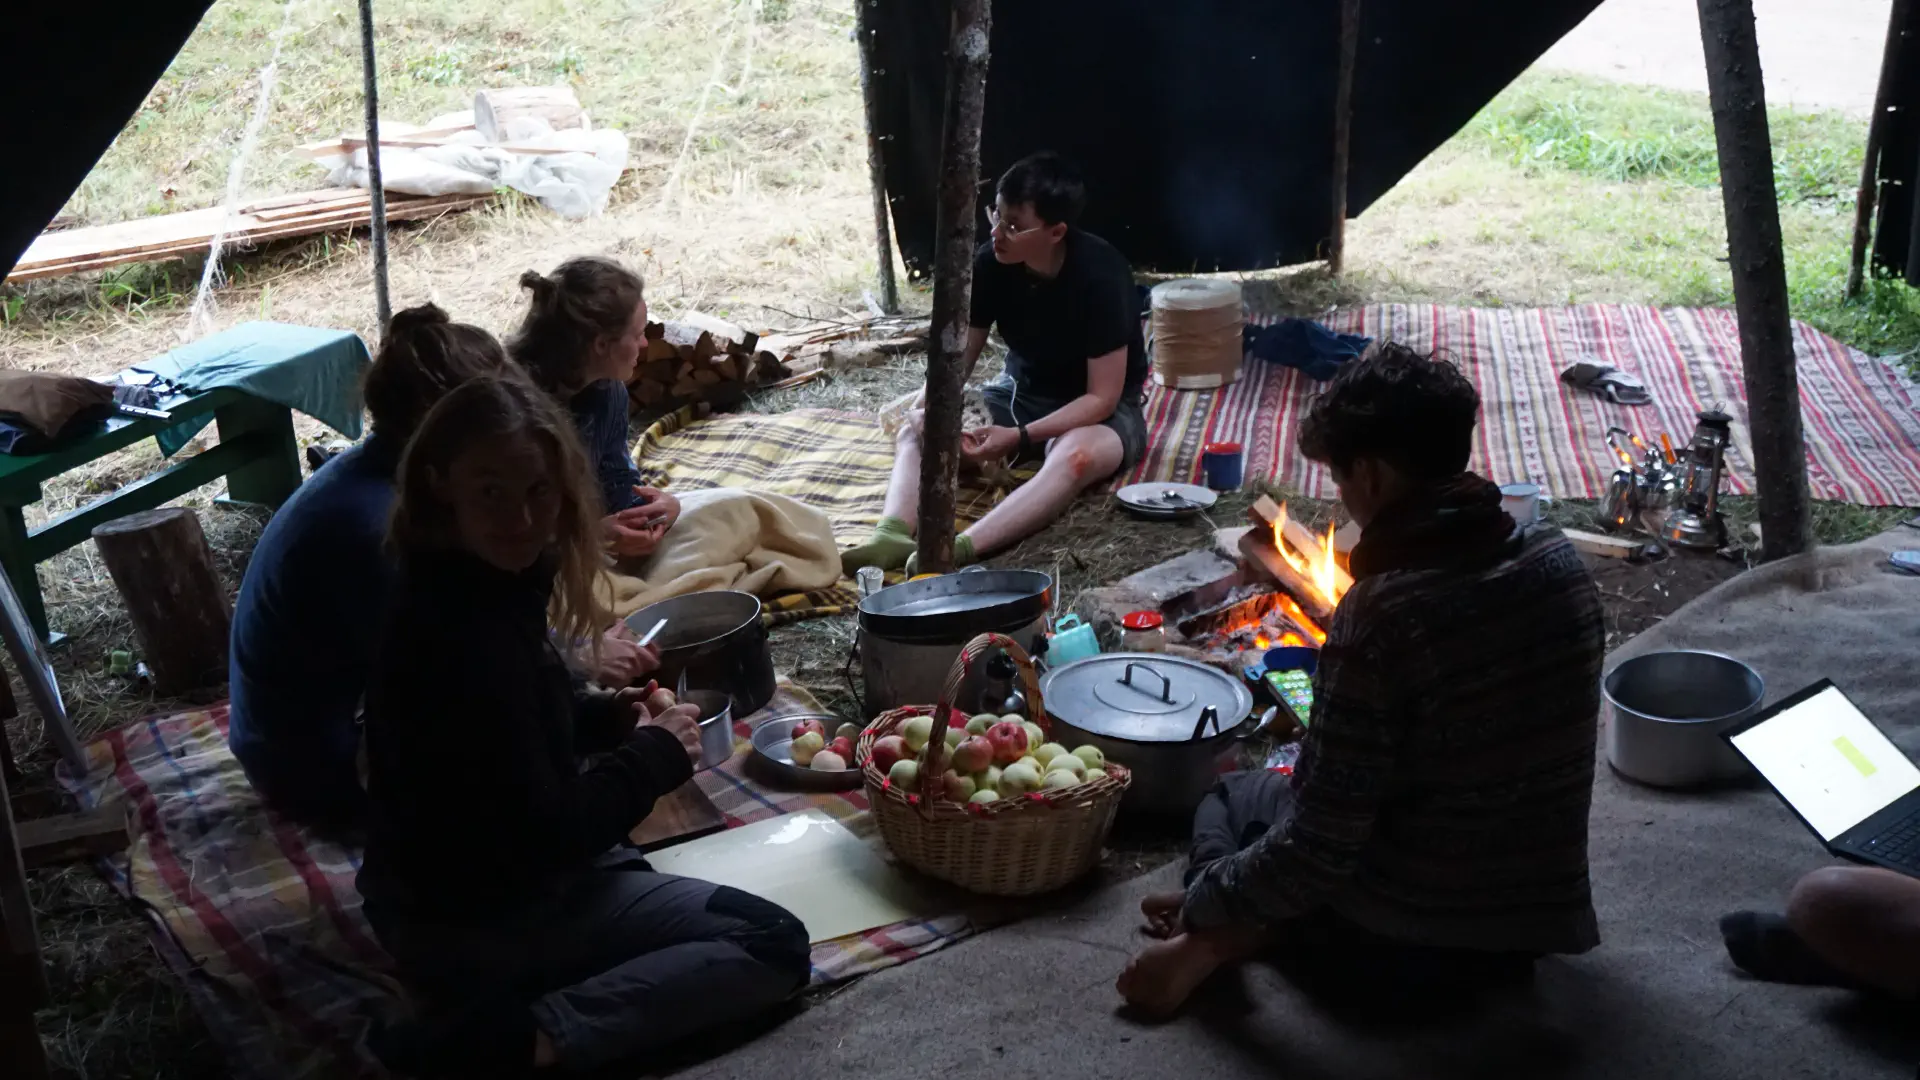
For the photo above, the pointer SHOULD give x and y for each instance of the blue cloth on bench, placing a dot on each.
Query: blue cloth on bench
(307, 369)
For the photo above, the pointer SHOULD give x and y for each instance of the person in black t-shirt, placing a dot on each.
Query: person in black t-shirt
(1066, 306)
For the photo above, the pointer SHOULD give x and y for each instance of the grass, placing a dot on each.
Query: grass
(1655, 150)
(1563, 190)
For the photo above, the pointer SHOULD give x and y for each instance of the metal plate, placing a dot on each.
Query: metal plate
(1121, 696)
(772, 756)
(1166, 498)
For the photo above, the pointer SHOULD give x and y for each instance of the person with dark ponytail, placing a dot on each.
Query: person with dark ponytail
(584, 331)
(300, 647)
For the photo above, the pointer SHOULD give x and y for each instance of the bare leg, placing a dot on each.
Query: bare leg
(891, 544)
(903, 489)
(1864, 921)
(1076, 461)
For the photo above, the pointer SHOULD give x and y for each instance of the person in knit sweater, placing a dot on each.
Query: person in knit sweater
(1434, 833)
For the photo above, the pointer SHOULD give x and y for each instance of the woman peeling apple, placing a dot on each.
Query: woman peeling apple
(496, 870)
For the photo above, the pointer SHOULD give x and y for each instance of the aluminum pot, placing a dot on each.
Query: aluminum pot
(911, 633)
(1167, 719)
(1666, 711)
(716, 640)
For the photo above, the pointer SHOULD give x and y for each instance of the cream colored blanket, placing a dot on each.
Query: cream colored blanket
(730, 538)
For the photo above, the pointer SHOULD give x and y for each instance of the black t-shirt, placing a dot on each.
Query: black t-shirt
(1053, 326)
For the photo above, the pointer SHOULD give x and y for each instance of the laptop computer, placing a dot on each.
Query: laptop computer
(1837, 771)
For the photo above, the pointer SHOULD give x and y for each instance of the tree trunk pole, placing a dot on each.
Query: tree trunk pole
(952, 276)
(376, 188)
(1343, 132)
(876, 164)
(1876, 134)
(1759, 274)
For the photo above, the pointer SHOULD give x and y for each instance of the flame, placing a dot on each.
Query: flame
(1260, 641)
(1291, 638)
(1326, 576)
(1324, 572)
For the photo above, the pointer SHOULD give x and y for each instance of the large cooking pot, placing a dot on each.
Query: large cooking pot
(1169, 720)
(716, 639)
(1667, 710)
(911, 633)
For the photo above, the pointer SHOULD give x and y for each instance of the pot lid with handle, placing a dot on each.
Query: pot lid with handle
(1146, 697)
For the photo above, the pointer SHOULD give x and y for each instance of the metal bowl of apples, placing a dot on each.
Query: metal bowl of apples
(807, 751)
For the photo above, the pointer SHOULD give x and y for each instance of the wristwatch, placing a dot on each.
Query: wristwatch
(1026, 441)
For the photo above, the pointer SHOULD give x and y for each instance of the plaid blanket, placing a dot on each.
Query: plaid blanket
(260, 919)
(1862, 429)
(836, 461)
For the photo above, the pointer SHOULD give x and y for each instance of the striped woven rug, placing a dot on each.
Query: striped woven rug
(838, 462)
(1862, 432)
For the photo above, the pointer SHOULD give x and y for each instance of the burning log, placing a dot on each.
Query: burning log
(1258, 549)
(1310, 559)
(1319, 553)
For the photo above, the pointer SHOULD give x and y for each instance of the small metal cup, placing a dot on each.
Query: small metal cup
(716, 725)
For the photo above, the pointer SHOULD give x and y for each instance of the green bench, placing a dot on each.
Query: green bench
(257, 454)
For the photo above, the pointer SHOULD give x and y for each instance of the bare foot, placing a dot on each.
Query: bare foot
(1159, 980)
(1162, 911)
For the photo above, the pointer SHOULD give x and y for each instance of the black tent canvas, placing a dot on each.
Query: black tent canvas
(1205, 128)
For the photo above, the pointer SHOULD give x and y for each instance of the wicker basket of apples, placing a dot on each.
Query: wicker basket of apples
(989, 803)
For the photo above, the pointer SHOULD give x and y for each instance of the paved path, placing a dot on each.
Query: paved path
(1816, 54)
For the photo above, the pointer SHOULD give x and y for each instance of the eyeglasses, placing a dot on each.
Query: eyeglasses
(994, 224)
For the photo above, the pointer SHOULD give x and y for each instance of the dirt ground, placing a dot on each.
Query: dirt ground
(1815, 54)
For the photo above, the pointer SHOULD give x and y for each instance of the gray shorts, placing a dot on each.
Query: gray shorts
(1012, 409)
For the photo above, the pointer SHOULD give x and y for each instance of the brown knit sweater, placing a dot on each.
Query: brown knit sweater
(1442, 793)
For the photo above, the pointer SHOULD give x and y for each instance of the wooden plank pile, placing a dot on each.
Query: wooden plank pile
(168, 236)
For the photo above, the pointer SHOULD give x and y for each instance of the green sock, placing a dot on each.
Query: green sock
(962, 555)
(887, 549)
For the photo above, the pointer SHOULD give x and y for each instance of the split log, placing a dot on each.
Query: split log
(1313, 548)
(656, 331)
(647, 392)
(494, 110)
(684, 388)
(956, 207)
(705, 376)
(1739, 100)
(704, 348)
(661, 349)
(160, 561)
(1257, 551)
(659, 370)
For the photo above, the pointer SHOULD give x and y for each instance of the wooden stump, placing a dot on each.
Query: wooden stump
(163, 567)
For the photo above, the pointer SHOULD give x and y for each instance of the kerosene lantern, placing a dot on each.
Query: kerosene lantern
(1696, 522)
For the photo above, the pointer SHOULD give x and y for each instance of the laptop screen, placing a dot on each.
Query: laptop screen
(1828, 761)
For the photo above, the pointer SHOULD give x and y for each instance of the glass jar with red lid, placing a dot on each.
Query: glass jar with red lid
(1143, 631)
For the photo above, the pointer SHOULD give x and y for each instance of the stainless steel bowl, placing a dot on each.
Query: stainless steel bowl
(1666, 712)
(772, 757)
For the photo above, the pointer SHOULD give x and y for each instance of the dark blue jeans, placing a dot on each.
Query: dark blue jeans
(615, 962)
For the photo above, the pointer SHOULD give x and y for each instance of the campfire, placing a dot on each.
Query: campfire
(1289, 582)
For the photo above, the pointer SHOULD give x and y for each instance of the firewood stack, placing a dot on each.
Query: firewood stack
(713, 370)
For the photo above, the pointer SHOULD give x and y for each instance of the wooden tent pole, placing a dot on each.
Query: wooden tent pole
(1343, 132)
(376, 189)
(1739, 99)
(1876, 134)
(876, 163)
(967, 49)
